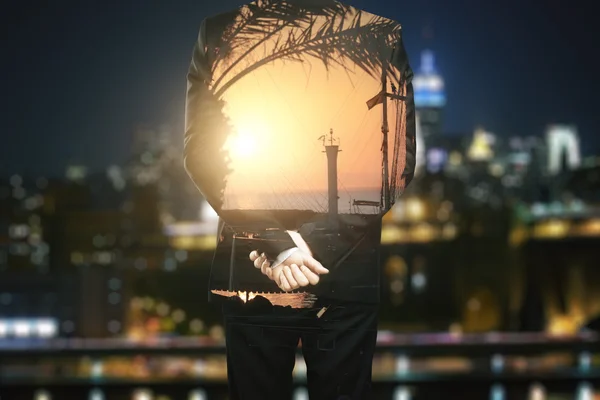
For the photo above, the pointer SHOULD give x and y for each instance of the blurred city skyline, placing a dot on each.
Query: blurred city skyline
(80, 78)
(106, 244)
(501, 196)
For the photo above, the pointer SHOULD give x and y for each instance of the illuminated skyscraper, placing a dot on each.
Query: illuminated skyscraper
(430, 96)
(563, 148)
(482, 146)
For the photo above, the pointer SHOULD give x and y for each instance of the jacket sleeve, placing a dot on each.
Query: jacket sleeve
(206, 127)
(401, 62)
(411, 139)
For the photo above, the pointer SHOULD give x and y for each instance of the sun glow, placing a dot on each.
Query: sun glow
(244, 143)
(273, 146)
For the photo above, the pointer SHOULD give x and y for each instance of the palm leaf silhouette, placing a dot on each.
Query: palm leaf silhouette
(315, 28)
(267, 17)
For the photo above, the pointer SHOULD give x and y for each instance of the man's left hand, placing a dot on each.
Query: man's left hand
(297, 270)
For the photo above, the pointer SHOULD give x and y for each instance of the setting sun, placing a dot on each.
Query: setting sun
(244, 143)
(273, 147)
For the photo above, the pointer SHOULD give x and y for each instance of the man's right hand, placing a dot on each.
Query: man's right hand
(297, 270)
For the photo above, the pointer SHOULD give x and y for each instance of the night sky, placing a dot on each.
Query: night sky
(78, 76)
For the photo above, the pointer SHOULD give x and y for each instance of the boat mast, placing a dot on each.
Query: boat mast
(385, 187)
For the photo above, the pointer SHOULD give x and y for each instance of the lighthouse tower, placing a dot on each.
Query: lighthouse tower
(332, 149)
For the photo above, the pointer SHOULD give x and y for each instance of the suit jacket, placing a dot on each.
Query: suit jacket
(252, 119)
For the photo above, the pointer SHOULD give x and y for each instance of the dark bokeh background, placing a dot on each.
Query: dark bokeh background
(103, 235)
(79, 75)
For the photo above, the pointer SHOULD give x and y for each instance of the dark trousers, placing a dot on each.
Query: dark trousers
(262, 342)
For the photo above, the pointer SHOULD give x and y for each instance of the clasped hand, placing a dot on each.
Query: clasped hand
(297, 270)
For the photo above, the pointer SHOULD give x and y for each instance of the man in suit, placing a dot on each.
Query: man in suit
(314, 278)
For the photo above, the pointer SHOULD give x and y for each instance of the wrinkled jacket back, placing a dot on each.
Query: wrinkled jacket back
(285, 130)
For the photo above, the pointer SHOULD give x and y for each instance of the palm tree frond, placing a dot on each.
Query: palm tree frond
(267, 17)
(364, 43)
